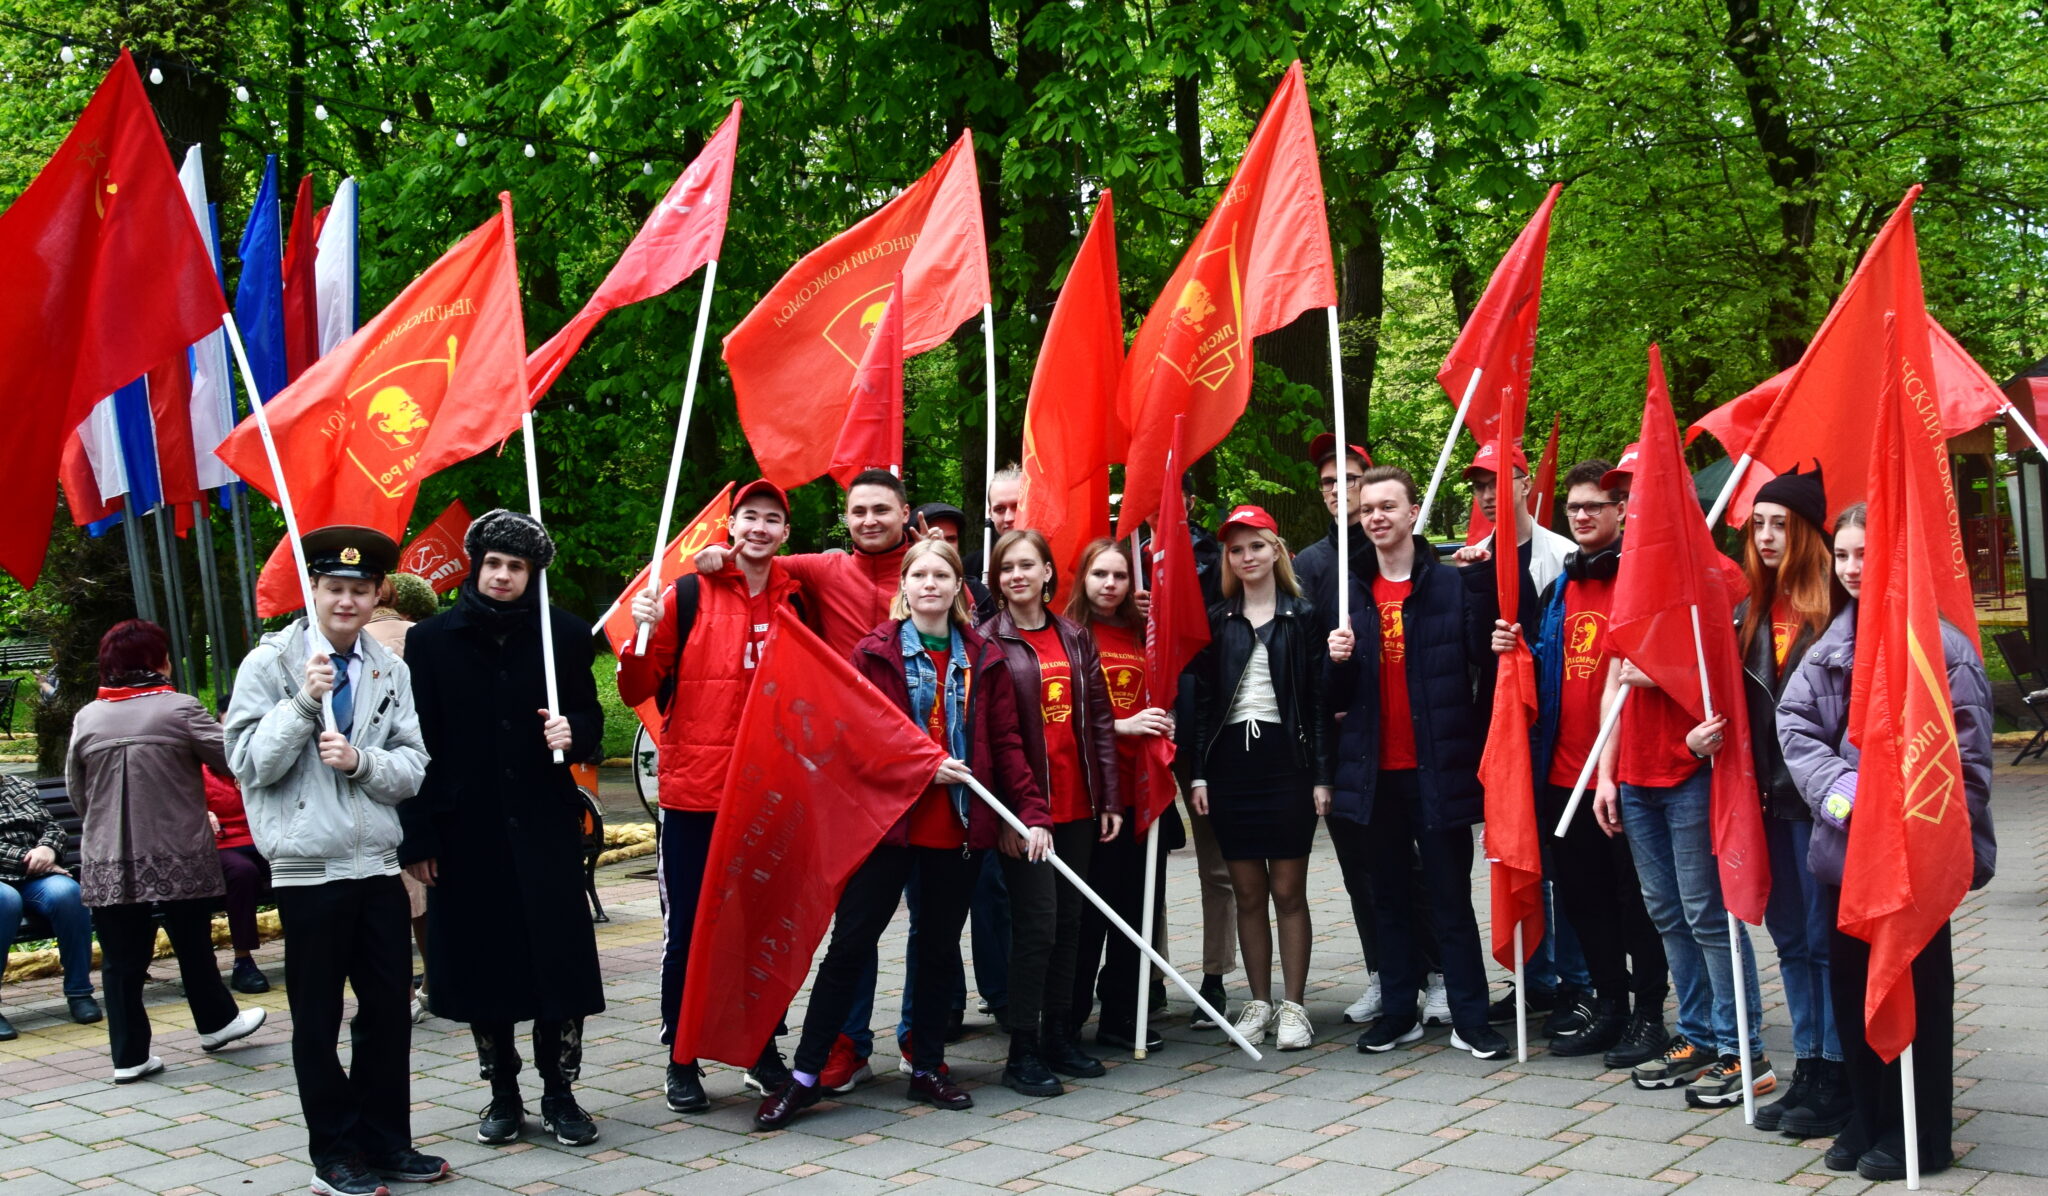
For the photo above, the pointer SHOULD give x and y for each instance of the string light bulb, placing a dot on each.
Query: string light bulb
(156, 75)
(461, 140)
(529, 149)
(385, 124)
(319, 112)
(647, 168)
(242, 92)
(593, 157)
(66, 54)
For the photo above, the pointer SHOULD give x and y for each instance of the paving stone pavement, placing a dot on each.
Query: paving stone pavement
(1197, 1117)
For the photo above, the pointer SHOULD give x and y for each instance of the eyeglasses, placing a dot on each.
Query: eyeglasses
(1589, 508)
(1329, 485)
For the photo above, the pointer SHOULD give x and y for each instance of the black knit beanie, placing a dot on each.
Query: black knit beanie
(1800, 493)
(513, 533)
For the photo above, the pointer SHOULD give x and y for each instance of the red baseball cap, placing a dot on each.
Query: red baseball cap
(1488, 460)
(1624, 469)
(1248, 516)
(1324, 447)
(761, 486)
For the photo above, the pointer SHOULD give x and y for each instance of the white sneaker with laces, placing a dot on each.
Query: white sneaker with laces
(1436, 1002)
(1366, 1009)
(1292, 1030)
(1253, 1020)
(148, 1067)
(246, 1023)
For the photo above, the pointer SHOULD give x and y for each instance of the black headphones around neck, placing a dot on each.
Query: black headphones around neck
(1600, 566)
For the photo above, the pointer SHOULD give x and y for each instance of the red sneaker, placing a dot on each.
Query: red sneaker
(844, 1068)
(903, 1065)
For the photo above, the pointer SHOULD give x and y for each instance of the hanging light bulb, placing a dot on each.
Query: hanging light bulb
(156, 75)
(461, 139)
(242, 92)
(529, 149)
(67, 54)
(385, 124)
(319, 112)
(593, 157)
(647, 168)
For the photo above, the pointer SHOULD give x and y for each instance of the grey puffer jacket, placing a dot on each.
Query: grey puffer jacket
(1813, 726)
(311, 822)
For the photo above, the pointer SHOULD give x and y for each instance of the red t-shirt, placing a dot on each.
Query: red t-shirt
(1123, 667)
(759, 611)
(932, 820)
(1784, 629)
(1653, 751)
(1397, 720)
(1586, 653)
(1056, 710)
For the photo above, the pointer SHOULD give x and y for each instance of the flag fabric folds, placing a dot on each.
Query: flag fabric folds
(1261, 259)
(794, 355)
(107, 280)
(822, 766)
(1543, 493)
(433, 378)
(1071, 429)
(259, 289)
(1909, 858)
(336, 281)
(301, 300)
(684, 231)
(437, 553)
(679, 558)
(1499, 338)
(872, 436)
(1669, 569)
(213, 396)
(1176, 630)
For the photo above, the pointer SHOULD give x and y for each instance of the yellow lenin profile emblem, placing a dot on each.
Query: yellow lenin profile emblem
(853, 326)
(1201, 340)
(386, 420)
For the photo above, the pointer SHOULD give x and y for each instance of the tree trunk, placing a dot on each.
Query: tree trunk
(1793, 167)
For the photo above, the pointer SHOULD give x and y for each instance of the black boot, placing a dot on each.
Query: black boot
(1601, 1030)
(685, 1088)
(1063, 1055)
(1804, 1073)
(1026, 1071)
(1644, 1039)
(1828, 1106)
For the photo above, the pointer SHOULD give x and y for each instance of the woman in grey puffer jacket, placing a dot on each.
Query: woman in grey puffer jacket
(1813, 724)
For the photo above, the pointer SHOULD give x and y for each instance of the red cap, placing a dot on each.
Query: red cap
(1488, 460)
(1324, 447)
(1248, 516)
(761, 486)
(1624, 469)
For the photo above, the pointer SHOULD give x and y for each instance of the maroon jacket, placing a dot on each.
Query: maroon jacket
(1094, 721)
(995, 751)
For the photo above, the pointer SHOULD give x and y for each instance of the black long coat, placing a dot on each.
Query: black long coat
(509, 937)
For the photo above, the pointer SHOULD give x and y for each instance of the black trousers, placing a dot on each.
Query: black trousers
(1395, 839)
(1045, 930)
(1595, 880)
(685, 845)
(557, 1054)
(1106, 964)
(945, 882)
(356, 933)
(248, 879)
(1352, 842)
(127, 936)
(1879, 1117)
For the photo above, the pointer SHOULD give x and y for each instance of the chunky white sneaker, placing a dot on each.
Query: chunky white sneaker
(148, 1067)
(246, 1023)
(1292, 1031)
(1253, 1020)
(1436, 1002)
(1366, 1009)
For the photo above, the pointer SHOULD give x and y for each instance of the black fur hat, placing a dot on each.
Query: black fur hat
(1803, 494)
(513, 533)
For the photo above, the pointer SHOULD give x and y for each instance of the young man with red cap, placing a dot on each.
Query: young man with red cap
(708, 628)
(1546, 549)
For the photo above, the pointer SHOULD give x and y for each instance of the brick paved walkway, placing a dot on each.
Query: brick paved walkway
(1196, 1118)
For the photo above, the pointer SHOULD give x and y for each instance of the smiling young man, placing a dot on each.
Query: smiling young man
(323, 810)
(699, 663)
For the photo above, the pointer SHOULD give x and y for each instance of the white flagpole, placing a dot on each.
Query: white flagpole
(2026, 428)
(1909, 1105)
(1728, 490)
(1116, 920)
(988, 348)
(1343, 463)
(1608, 723)
(1443, 459)
(316, 641)
(1734, 929)
(547, 623)
(675, 456)
(1521, 1003)
(1144, 1006)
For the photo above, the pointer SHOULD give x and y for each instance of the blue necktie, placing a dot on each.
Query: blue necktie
(344, 693)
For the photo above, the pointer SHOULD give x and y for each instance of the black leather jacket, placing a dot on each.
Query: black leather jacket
(1762, 686)
(1295, 657)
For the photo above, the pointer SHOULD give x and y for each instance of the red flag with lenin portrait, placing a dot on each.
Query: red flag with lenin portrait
(437, 553)
(794, 356)
(1498, 342)
(822, 766)
(1909, 858)
(677, 560)
(1670, 570)
(436, 377)
(1261, 259)
(1176, 630)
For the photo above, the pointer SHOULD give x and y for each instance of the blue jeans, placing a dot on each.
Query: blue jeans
(990, 913)
(1799, 917)
(1670, 836)
(56, 898)
(1558, 962)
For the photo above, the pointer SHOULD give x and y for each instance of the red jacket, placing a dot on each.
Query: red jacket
(1094, 722)
(995, 752)
(224, 801)
(847, 593)
(711, 674)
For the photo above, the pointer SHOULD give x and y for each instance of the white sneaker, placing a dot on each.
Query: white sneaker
(1366, 1009)
(246, 1023)
(1292, 1030)
(148, 1067)
(1253, 1019)
(1436, 1002)
(419, 1008)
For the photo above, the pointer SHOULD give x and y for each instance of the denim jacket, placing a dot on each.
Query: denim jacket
(923, 680)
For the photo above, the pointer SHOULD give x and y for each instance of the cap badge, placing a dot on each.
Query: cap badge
(351, 556)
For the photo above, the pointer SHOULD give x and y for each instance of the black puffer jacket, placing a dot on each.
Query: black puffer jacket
(1762, 686)
(1296, 656)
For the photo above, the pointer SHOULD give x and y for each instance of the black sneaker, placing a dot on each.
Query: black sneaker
(1804, 1073)
(249, 978)
(502, 1119)
(1675, 1065)
(1721, 1085)
(566, 1120)
(1502, 1012)
(84, 1010)
(1485, 1042)
(1571, 1014)
(1123, 1036)
(1644, 1039)
(768, 1074)
(1063, 1056)
(1026, 1071)
(1602, 1029)
(7, 1031)
(347, 1177)
(410, 1167)
(684, 1087)
(1388, 1033)
(1888, 1163)
(1212, 992)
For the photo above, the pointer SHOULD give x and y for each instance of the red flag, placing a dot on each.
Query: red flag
(1176, 629)
(822, 766)
(301, 303)
(1071, 430)
(170, 411)
(1543, 496)
(1477, 525)
(872, 436)
(435, 377)
(794, 356)
(1499, 339)
(680, 558)
(106, 279)
(685, 230)
(437, 553)
(1909, 859)
(1669, 571)
(1261, 259)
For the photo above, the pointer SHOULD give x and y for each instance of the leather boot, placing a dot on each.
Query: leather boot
(1063, 1055)
(1026, 1071)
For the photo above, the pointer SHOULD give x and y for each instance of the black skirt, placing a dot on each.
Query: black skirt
(1261, 803)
